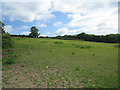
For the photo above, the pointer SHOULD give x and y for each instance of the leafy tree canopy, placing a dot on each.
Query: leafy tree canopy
(2, 27)
(34, 32)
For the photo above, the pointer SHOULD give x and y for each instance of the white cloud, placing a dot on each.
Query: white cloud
(61, 0)
(42, 25)
(48, 33)
(87, 16)
(39, 24)
(62, 31)
(23, 27)
(93, 22)
(25, 33)
(69, 15)
(66, 31)
(58, 24)
(27, 11)
(8, 28)
(44, 35)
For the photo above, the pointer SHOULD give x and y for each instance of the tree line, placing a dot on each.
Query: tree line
(109, 38)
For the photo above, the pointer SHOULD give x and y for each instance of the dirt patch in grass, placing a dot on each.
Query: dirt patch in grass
(6, 51)
(9, 56)
(28, 77)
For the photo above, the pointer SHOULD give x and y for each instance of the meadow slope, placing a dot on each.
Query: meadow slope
(39, 62)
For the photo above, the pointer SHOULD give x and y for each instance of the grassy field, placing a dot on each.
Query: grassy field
(40, 63)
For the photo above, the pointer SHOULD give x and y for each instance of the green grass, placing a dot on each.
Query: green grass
(62, 63)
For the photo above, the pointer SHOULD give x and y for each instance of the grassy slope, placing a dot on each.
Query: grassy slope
(42, 63)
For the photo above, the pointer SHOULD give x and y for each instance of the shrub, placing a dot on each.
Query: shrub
(82, 47)
(118, 46)
(44, 42)
(6, 41)
(9, 60)
(59, 42)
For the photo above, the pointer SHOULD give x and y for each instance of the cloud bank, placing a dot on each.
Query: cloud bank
(90, 17)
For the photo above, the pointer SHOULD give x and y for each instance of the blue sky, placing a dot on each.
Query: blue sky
(45, 27)
(60, 17)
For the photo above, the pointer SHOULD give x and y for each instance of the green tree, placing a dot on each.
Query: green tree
(81, 36)
(6, 40)
(2, 27)
(34, 32)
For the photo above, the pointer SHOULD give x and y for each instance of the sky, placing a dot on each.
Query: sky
(60, 17)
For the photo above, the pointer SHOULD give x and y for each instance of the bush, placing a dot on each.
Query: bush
(82, 47)
(6, 41)
(118, 46)
(8, 60)
(44, 42)
(59, 42)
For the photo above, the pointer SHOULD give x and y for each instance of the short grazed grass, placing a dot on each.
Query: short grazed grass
(52, 63)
